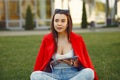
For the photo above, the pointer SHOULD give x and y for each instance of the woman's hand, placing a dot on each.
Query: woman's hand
(76, 63)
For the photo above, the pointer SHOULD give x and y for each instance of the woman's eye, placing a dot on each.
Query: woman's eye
(56, 20)
(63, 20)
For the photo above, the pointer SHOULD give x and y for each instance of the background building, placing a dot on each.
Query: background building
(13, 12)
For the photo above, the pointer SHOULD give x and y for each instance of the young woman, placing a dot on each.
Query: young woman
(63, 54)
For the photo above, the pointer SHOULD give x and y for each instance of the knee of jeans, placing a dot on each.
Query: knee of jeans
(90, 73)
(34, 75)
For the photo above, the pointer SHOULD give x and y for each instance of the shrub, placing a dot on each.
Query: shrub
(84, 17)
(29, 23)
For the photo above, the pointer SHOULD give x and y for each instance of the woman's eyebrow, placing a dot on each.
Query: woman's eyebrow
(63, 19)
(60, 19)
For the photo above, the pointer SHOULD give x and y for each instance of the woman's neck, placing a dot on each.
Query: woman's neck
(62, 35)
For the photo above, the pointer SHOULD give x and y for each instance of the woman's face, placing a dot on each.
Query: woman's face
(60, 23)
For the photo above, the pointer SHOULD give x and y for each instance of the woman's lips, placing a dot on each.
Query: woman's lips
(59, 28)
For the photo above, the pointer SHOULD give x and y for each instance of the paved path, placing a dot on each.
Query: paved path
(42, 32)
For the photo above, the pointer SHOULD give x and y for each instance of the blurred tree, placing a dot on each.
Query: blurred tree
(108, 20)
(29, 23)
(100, 7)
(84, 17)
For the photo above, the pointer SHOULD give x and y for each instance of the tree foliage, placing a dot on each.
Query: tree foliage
(84, 17)
(29, 23)
(100, 7)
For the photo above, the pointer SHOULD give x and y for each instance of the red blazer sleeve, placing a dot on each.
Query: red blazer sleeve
(39, 59)
(87, 58)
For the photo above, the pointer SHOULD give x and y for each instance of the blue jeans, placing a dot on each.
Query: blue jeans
(64, 73)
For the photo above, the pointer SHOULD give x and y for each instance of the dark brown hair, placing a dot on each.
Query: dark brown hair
(69, 28)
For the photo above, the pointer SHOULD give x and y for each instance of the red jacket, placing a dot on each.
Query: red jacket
(47, 50)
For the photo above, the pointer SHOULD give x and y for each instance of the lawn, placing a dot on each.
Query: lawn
(18, 53)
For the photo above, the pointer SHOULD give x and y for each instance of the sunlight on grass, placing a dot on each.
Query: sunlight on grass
(18, 53)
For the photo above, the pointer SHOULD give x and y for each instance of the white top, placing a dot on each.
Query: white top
(57, 56)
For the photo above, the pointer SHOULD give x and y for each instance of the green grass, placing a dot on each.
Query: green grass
(18, 53)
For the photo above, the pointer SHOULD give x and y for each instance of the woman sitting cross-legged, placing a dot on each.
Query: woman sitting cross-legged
(63, 54)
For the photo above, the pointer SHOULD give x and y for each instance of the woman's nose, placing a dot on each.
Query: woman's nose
(59, 23)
